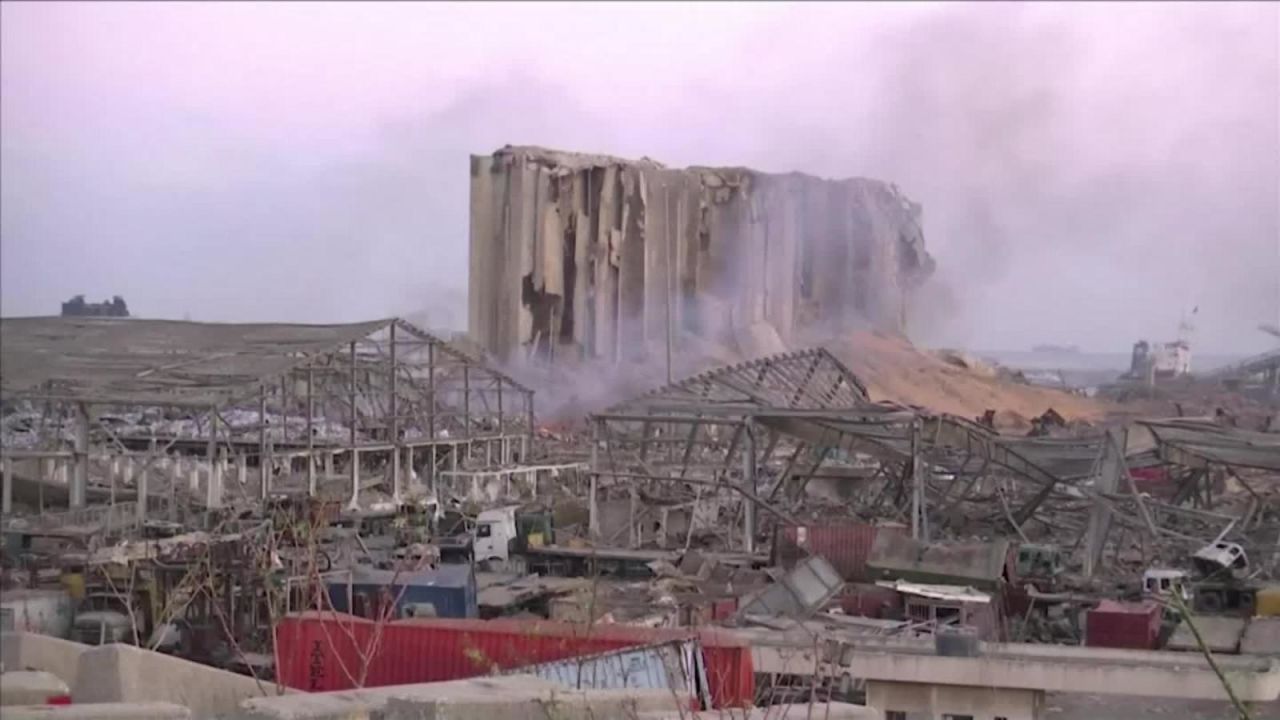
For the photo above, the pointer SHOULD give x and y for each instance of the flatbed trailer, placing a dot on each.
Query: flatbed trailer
(566, 561)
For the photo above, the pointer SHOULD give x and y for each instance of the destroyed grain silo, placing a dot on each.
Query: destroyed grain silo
(598, 258)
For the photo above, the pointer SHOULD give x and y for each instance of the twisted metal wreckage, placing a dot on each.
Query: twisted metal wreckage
(171, 416)
(176, 414)
(707, 454)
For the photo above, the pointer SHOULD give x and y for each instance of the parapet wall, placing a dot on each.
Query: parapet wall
(128, 674)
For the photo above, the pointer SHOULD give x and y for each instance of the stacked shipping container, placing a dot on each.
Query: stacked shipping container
(1133, 626)
(846, 546)
(323, 651)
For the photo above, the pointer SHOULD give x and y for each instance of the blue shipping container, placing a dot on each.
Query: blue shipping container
(449, 589)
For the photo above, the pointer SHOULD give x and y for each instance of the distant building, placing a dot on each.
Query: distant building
(77, 307)
(1160, 360)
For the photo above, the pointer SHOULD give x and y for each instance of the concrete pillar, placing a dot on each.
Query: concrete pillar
(141, 483)
(6, 496)
(126, 471)
(213, 491)
(80, 480)
(328, 465)
(395, 474)
(311, 474)
(749, 483)
(194, 482)
(60, 471)
(355, 479)
(593, 510)
(407, 468)
(430, 476)
(242, 469)
(634, 536)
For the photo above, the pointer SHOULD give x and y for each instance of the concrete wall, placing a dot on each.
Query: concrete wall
(937, 701)
(29, 651)
(597, 252)
(99, 711)
(123, 673)
(513, 697)
(1055, 669)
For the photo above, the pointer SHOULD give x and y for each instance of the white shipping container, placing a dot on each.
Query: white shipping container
(676, 666)
(46, 612)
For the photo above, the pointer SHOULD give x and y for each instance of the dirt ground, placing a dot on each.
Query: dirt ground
(894, 370)
(1110, 707)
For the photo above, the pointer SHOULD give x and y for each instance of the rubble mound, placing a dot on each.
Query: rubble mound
(894, 370)
(891, 368)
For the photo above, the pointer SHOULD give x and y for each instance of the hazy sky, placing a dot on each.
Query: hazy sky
(1088, 172)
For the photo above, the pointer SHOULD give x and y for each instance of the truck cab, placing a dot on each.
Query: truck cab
(1039, 565)
(1164, 583)
(1221, 560)
(495, 534)
(103, 618)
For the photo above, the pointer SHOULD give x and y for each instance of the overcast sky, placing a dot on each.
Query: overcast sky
(1088, 172)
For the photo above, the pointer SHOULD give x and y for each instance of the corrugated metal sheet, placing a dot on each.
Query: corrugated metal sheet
(846, 546)
(1135, 626)
(676, 666)
(329, 651)
(806, 588)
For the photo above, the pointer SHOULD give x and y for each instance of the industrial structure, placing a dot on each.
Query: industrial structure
(200, 414)
(577, 256)
(368, 519)
(716, 452)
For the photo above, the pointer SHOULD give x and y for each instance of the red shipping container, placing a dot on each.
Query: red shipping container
(323, 651)
(724, 609)
(1133, 626)
(731, 676)
(871, 601)
(1154, 481)
(846, 546)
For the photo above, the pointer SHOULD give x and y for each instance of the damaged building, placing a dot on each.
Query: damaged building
(577, 256)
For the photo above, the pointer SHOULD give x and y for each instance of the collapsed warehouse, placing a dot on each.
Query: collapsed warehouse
(346, 507)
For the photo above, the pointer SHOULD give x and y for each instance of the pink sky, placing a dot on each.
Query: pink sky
(239, 160)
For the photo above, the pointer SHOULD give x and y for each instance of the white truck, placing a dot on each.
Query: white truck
(495, 535)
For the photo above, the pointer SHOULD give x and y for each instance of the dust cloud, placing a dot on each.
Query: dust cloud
(1088, 173)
